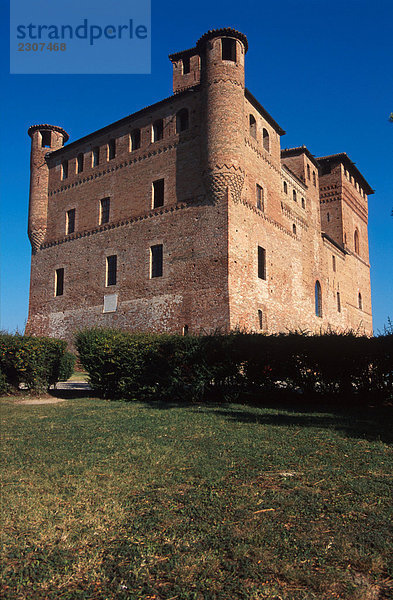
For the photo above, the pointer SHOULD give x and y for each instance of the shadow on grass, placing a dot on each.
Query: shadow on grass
(355, 417)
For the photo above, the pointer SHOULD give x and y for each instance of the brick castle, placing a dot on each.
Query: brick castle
(187, 216)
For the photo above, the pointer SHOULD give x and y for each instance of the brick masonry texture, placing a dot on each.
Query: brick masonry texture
(210, 225)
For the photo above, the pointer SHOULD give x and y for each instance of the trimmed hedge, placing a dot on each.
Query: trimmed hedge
(36, 362)
(125, 365)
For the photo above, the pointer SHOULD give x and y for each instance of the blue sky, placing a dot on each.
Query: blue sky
(323, 69)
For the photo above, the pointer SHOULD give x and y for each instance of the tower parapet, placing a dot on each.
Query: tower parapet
(44, 138)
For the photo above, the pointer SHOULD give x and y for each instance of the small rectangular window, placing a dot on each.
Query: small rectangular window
(186, 65)
(158, 193)
(156, 261)
(104, 210)
(79, 163)
(158, 130)
(46, 139)
(228, 47)
(334, 263)
(135, 139)
(260, 198)
(260, 319)
(261, 263)
(64, 169)
(70, 221)
(111, 270)
(338, 302)
(59, 282)
(111, 149)
(96, 157)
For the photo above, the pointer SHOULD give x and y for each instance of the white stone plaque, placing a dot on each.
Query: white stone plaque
(110, 303)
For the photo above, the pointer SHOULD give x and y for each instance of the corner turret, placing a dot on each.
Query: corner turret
(44, 138)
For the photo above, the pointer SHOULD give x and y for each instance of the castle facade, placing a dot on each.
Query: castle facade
(187, 216)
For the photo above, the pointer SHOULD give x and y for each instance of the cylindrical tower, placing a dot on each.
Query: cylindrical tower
(222, 54)
(44, 139)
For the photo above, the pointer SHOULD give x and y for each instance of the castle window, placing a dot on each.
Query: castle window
(158, 130)
(294, 229)
(186, 65)
(294, 196)
(253, 127)
(260, 319)
(79, 163)
(303, 203)
(46, 139)
(260, 198)
(228, 49)
(318, 299)
(356, 241)
(338, 302)
(64, 169)
(182, 120)
(158, 193)
(111, 270)
(308, 172)
(328, 217)
(156, 261)
(314, 179)
(70, 221)
(59, 282)
(135, 139)
(261, 263)
(360, 301)
(334, 263)
(96, 157)
(285, 187)
(111, 149)
(105, 204)
(266, 139)
(185, 330)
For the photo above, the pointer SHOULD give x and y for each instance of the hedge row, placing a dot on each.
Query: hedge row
(35, 362)
(124, 365)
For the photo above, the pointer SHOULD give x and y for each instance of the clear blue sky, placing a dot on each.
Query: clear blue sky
(323, 69)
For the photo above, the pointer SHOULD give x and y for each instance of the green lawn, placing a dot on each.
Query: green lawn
(108, 500)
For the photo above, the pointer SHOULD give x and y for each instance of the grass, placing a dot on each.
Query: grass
(136, 501)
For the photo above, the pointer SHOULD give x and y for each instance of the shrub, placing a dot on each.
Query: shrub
(193, 368)
(33, 361)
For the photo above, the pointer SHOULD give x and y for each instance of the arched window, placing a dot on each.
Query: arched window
(253, 127)
(294, 196)
(182, 120)
(318, 299)
(303, 203)
(308, 172)
(356, 241)
(266, 139)
(285, 187)
(360, 301)
(294, 229)
(158, 130)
